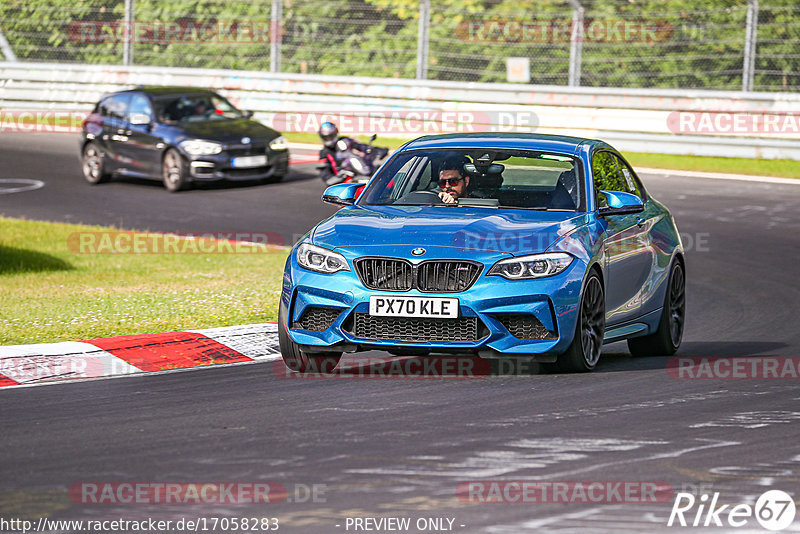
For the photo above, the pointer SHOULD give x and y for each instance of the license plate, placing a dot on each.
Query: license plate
(432, 307)
(244, 162)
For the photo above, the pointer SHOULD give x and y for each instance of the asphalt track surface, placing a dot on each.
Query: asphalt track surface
(383, 447)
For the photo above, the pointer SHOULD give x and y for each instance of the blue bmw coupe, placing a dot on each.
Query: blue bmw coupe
(501, 245)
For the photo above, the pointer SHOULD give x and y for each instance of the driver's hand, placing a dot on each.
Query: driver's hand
(447, 198)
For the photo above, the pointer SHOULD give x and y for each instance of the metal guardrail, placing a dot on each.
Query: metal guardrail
(638, 120)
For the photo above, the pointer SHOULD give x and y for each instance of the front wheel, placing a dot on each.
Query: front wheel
(304, 362)
(666, 340)
(584, 351)
(174, 171)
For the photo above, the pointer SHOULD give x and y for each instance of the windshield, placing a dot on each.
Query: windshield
(488, 178)
(195, 108)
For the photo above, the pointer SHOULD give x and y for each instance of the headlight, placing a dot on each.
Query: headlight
(534, 266)
(279, 143)
(321, 259)
(198, 147)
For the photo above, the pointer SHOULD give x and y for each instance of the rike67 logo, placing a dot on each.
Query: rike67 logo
(774, 510)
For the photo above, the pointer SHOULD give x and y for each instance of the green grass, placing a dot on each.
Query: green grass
(785, 168)
(50, 291)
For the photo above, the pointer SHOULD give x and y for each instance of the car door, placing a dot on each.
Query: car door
(628, 251)
(114, 126)
(137, 144)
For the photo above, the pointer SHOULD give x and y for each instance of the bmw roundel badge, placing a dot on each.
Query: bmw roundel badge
(418, 251)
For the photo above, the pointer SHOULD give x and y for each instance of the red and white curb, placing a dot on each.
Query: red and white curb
(26, 365)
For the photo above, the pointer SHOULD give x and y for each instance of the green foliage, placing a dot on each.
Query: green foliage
(628, 43)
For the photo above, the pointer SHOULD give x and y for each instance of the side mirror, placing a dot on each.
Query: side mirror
(341, 194)
(620, 203)
(371, 139)
(139, 118)
(248, 114)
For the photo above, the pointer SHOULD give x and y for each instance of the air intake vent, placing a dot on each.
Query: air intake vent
(317, 318)
(385, 274)
(525, 326)
(432, 276)
(413, 329)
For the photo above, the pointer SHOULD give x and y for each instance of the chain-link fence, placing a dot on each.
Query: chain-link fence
(717, 44)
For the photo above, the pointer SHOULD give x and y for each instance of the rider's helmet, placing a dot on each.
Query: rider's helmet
(329, 134)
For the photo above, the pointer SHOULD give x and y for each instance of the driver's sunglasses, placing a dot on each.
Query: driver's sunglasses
(449, 181)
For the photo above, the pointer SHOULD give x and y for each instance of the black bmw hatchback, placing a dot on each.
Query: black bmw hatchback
(179, 135)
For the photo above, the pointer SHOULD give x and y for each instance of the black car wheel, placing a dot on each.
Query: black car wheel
(93, 165)
(584, 351)
(174, 171)
(304, 362)
(666, 340)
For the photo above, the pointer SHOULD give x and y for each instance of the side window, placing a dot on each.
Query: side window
(118, 106)
(102, 106)
(629, 180)
(606, 175)
(141, 105)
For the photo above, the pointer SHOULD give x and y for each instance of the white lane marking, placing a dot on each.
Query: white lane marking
(757, 419)
(539, 454)
(657, 456)
(719, 176)
(68, 360)
(27, 185)
(584, 445)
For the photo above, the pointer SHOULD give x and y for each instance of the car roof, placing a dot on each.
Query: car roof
(506, 140)
(155, 90)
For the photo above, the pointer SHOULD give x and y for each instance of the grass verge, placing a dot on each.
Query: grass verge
(785, 168)
(54, 290)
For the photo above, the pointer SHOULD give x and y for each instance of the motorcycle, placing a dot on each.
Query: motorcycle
(355, 166)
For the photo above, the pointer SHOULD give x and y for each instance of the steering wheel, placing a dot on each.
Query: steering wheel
(420, 197)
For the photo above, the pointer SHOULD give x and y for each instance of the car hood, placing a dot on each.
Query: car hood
(228, 131)
(511, 231)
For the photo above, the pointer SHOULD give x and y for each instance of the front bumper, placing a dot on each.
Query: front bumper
(220, 167)
(489, 303)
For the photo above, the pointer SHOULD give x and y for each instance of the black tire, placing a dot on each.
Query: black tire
(174, 171)
(667, 339)
(93, 164)
(304, 362)
(584, 351)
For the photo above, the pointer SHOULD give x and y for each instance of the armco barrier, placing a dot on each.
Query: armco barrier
(638, 120)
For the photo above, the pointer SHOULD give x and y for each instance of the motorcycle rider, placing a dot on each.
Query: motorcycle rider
(329, 161)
